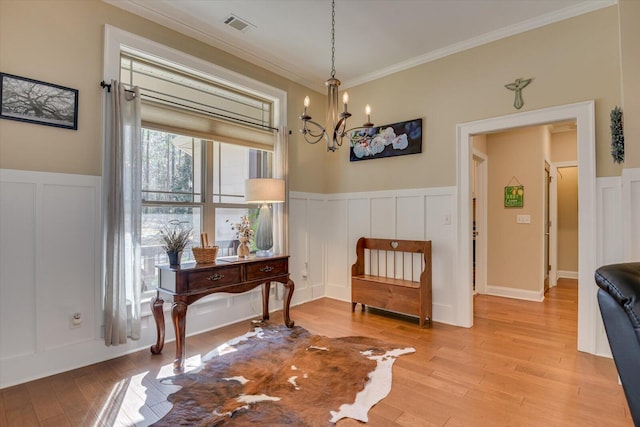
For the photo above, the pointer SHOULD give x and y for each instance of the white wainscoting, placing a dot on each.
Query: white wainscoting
(306, 245)
(631, 213)
(618, 202)
(50, 268)
(335, 222)
(328, 227)
(609, 221)
(610, 236)
(50, 257)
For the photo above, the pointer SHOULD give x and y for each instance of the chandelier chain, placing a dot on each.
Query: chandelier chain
(336, 129)
(333, 39)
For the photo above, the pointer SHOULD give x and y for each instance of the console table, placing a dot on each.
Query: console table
(187, 283)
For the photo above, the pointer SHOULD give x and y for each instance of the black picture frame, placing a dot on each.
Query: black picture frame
(33, 101)
(397, 139)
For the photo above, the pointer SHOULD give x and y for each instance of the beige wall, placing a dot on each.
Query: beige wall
(479, 143)
(521, 153)
(568, 219)
(514, 251)
(62, 42)
(571, 61)
(564, 146)
(630, 48)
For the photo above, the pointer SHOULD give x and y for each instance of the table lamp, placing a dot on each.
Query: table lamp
(264, 191)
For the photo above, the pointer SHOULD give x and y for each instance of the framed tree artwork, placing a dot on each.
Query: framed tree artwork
(33, 101)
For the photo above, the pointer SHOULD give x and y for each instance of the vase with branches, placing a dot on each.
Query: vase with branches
(244, 233)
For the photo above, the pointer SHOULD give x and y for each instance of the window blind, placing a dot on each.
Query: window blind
(176, 101)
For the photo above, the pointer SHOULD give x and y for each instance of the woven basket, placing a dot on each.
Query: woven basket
(205, 255)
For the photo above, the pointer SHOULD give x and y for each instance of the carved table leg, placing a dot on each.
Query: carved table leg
(289, 286)
(179, 316)
(158, 315)
(266, 289)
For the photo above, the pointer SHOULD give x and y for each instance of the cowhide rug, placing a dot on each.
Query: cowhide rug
(280, 376)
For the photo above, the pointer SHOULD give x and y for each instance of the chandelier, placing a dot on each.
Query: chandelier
(336, 121)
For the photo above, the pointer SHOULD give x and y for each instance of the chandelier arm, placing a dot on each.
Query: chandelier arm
(308, 132)
(368, 126)
(313, 141)
(340, 131)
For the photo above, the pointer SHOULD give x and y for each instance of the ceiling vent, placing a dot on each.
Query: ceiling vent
(238, 23)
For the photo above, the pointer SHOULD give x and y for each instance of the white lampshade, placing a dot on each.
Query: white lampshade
(264, 190)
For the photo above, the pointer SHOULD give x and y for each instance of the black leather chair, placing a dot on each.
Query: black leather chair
(619, 300)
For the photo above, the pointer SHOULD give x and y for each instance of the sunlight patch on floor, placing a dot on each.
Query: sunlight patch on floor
(127, 404)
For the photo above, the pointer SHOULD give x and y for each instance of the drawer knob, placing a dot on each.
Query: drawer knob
(215, 277)
(266, 269)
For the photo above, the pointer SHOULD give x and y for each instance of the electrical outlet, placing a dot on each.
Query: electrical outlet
(76, 320)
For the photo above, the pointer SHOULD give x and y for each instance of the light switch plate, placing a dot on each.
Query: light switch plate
(523, 219)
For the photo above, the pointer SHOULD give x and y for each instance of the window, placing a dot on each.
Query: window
(200, 142)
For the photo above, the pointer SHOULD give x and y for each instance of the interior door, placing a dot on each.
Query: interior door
(479, 226)
(546, 244)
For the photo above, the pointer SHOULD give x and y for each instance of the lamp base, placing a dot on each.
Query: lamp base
(264, 232)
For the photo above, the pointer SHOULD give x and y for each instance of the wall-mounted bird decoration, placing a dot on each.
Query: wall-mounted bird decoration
(517, 87)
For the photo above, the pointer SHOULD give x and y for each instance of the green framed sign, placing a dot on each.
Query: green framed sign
(514, 196)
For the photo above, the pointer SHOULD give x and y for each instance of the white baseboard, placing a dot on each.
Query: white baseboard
(444, 313)
(338, 291)
(501, 291)
(567, 274)
(317, 291)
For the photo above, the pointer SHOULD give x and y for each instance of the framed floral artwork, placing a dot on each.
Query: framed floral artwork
(396, 139)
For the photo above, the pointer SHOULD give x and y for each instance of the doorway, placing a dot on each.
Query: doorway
(583, 113)
(518, 251)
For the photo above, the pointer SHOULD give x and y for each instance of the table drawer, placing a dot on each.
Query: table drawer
(267, 268)
(221, 276)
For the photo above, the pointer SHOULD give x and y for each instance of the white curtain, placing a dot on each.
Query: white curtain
(281, 210)
(122, 282)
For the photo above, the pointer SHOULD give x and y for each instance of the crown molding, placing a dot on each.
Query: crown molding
(257, 59)
(486, 38)
(183, 28)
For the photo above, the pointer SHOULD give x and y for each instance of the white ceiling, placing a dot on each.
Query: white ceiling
(373, 37)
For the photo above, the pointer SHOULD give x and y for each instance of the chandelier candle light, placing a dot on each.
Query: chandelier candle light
(264, 191)
(336, 122)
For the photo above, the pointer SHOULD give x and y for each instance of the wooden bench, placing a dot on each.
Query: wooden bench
(393, 275)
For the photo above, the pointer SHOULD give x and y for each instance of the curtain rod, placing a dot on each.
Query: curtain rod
(104, 85)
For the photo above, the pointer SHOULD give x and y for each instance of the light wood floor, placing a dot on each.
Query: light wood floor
(518, 366)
